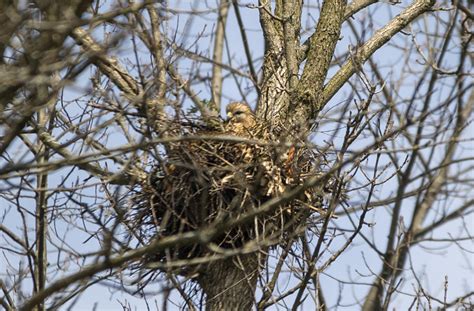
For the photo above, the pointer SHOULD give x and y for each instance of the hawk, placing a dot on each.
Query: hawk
(257, 161)
(240, 120)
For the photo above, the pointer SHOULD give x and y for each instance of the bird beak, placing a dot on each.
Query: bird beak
(229, 115)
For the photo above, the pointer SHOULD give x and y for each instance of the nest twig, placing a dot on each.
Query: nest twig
(204, 181)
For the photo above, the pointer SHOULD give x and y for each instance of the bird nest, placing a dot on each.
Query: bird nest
(204, 178)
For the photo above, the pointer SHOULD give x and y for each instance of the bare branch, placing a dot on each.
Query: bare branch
(381, 37)
(216, 83)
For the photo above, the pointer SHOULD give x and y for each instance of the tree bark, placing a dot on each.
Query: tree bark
(307, 96)
(280, 66)
(230, 284)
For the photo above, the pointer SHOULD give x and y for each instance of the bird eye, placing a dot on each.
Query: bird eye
(238, 113)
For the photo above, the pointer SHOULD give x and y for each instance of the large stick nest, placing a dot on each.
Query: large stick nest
(200, 181)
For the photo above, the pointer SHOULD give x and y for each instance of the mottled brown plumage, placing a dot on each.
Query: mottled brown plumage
(240, 120)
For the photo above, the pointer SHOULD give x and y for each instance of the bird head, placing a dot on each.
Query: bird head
(240, 118)
(239, 112)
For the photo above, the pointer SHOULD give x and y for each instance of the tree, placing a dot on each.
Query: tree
(95, 97)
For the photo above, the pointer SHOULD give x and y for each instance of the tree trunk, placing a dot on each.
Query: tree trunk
(230, 284)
